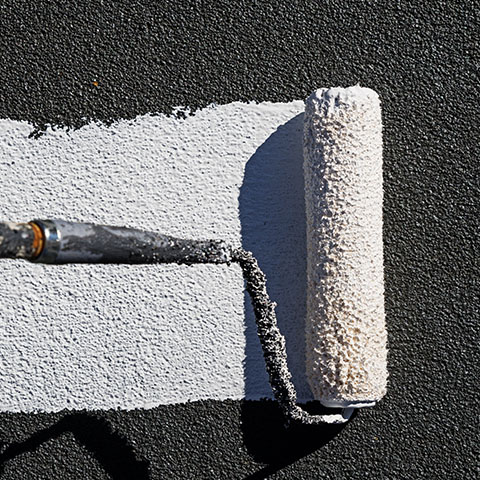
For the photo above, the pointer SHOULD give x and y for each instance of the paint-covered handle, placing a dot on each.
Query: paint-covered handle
(59, 242)
(71, 242)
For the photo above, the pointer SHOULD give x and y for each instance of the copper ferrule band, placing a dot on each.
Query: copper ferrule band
(38, 240)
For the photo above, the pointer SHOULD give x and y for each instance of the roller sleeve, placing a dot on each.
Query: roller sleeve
(346, 339)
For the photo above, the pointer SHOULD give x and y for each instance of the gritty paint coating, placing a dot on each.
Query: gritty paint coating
(107, 336)
(345, 325)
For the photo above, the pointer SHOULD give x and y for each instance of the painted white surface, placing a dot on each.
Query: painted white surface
(107, 336)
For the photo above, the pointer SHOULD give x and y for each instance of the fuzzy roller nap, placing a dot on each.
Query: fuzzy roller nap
(345, 324)
(346, 338)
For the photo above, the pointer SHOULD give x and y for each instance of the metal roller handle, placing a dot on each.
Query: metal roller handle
(59, 242)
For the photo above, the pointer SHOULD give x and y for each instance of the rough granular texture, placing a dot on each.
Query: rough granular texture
(345, 326)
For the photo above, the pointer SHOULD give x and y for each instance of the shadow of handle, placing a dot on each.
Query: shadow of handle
(110, 449)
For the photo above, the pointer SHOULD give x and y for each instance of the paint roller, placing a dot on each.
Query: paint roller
(345, 326)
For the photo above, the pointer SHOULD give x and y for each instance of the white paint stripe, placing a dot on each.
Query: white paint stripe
(106, 336)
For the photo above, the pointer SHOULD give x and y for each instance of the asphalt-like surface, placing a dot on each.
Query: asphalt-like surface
(423, 60)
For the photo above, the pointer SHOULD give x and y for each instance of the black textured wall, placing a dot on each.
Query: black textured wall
(68, 62)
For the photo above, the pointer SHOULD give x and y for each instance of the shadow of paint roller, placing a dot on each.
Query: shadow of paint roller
(346, 339)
